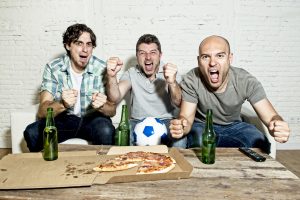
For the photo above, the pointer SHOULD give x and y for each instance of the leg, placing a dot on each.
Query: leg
(241, 134)
(133, 123)
(194, 137)
(66, 127)
(33, 135)
(98, 129)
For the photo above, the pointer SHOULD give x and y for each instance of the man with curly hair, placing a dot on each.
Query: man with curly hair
(73, 86)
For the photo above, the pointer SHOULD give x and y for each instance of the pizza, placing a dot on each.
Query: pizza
(115, 165)
(148, 162)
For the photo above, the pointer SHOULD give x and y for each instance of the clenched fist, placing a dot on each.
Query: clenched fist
(170, 71)
(177, 127)
(98, 100)
(69, 97)
(279, 130)
(113, 66)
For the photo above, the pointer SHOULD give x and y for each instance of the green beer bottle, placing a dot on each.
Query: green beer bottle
(50, 138)
(208, 147)
(123, 130)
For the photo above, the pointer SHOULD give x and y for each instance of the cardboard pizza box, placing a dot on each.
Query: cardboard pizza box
(74, 169)
(182, 169)
(29, 170)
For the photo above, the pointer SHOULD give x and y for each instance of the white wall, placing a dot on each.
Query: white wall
(264, 35)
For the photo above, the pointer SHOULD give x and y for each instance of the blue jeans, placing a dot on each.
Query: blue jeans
(95, 127)
(236, 134)
(169, 141)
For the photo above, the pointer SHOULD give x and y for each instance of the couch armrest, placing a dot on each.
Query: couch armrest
(20, 119)
(117, 118)
(249, 116)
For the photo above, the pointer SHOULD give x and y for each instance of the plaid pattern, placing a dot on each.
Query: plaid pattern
(57, 77)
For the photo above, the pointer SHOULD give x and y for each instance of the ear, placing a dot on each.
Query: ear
(230, 58)
(160, 55)
(198, 60)
(67, 47)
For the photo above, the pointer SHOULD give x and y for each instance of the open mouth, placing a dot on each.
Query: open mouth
(83, 58)
(214, 75)
(148, 66)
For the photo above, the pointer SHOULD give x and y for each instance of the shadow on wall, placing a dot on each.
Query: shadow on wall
(131, 62)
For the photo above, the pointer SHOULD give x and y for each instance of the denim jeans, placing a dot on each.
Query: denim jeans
(169, 141)
(236, 134)
(95, 127)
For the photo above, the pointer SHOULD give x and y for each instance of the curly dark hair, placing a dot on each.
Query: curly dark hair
(74, 31)
(148, 39)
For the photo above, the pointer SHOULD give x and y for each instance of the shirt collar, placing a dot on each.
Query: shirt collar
(89, 68)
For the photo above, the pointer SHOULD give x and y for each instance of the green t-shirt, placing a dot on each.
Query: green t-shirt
(226, 106)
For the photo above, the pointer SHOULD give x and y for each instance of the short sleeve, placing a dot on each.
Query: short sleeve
(49, 82)
(188, 88)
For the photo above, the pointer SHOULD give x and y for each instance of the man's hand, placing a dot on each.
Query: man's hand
(98, 100)
(69, 97)
(177, 127)
(279, 130)
(113, 65)
(170, 72)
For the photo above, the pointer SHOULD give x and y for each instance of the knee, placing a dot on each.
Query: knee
(104, 126)
(108, 130)
(32, 137)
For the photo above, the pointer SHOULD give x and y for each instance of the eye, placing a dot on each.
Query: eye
(78, 43)
(89, 44)
(222, 55)
(204, 57)
(153, 53)
(142, 53)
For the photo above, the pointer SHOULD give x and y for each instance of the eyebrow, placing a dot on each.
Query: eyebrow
(150, 50)
(207, 54)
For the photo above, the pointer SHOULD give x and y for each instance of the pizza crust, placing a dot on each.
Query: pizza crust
(165, 170)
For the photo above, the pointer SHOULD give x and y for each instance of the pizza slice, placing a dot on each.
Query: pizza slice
(162, 165)
(115, 165)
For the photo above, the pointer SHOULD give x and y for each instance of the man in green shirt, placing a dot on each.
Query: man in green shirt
(216, 85)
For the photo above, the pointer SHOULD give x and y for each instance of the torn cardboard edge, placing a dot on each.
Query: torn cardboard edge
(74, 169)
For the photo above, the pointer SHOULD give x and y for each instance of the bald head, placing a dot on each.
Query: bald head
(215, 39)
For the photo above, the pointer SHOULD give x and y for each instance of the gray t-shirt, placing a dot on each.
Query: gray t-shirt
(149, 98)
(226, 106)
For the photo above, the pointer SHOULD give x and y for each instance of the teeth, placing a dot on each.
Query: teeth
(213, 70)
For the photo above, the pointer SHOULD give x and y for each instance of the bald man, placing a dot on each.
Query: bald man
(216, 85)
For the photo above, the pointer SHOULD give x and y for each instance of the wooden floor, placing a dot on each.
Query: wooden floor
(289, 158)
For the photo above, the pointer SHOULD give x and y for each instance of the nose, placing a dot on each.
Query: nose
(84, 48)
(148, 55)
(212, 61)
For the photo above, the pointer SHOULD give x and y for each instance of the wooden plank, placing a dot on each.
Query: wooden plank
(194, 188)
(233, 176)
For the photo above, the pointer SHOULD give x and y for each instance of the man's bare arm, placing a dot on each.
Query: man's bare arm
(47, 100)
(278, 128)
(182, 125)
(175, 92)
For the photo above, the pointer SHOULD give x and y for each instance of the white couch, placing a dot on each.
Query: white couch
(21, 118)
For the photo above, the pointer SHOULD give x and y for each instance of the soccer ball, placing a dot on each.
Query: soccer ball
(150, 131)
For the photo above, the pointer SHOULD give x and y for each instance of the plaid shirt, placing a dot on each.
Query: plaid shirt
(57, 77)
